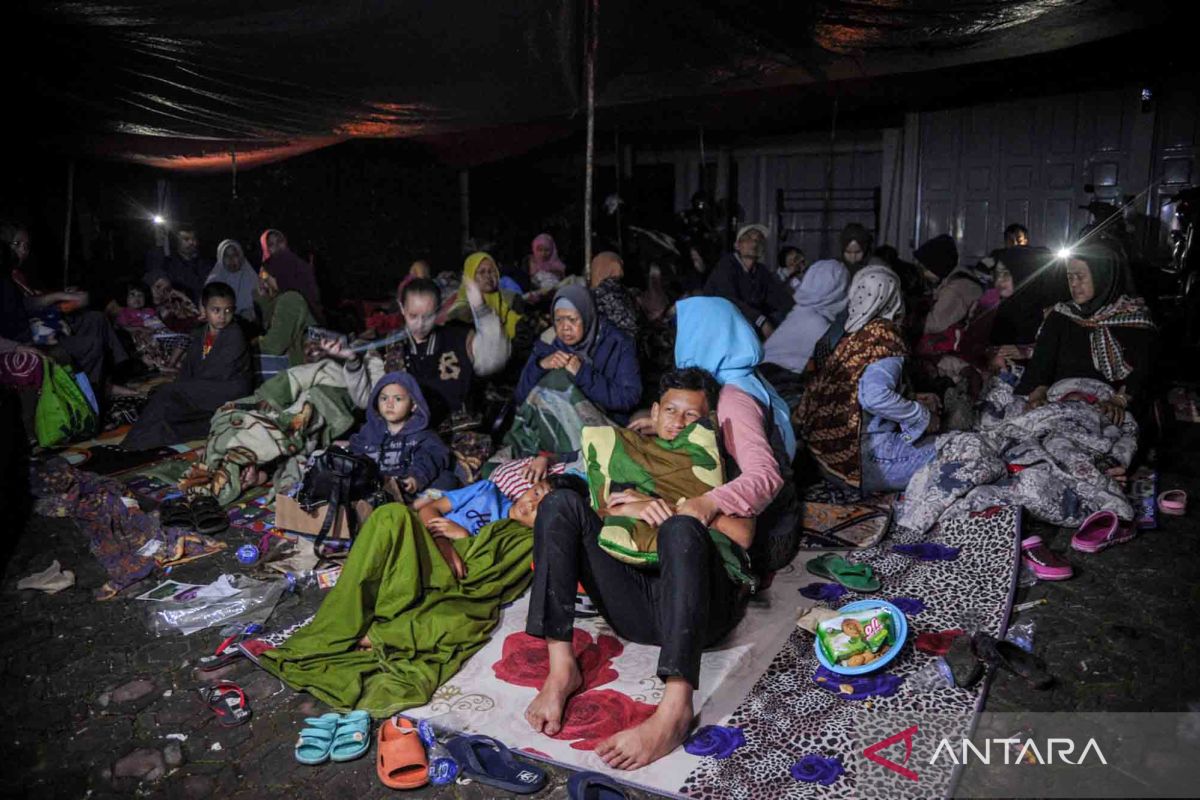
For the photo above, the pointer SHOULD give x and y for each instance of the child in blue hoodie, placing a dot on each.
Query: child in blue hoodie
(398, 439)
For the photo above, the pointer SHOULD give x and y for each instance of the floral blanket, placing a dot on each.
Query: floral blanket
(1052, 460)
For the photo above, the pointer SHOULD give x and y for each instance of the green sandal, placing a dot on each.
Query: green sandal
(316, 739)
(855, 577)
(352, 738)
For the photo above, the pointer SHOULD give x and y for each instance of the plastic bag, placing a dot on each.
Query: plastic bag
(931, 677)
(251, 602)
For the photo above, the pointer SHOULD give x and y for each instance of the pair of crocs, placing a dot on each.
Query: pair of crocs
(334, 737)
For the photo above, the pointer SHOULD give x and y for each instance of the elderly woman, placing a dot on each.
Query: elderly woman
(859, 426)
(600, 359)
(1102, 333)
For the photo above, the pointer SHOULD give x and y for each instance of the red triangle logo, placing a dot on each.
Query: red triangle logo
(906, 735)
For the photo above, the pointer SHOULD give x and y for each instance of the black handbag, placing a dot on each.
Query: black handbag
(339, 478)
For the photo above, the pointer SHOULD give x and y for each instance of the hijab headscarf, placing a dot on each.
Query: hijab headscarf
(579, 299)
(1110, 307)
(552, 263)
(874, 294)
(262, 240)
(820, 296)
(939, 255)
(856, 233)
(604, 266)
(243, 281)
(496, 300)
(713, 335)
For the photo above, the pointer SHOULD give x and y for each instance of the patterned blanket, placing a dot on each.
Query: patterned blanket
(1052, 460)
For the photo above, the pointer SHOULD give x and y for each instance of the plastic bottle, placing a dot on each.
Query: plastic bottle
(934, 675)
(299, 581)
(442, 766)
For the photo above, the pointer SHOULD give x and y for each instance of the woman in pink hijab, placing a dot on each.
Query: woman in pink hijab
(546, 269)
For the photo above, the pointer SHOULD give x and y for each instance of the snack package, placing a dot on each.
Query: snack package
(857, 637)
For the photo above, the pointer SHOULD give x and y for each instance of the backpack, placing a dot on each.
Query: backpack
(339, 478)
(63, 412)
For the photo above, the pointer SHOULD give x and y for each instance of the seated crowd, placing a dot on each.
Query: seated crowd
(847, 369)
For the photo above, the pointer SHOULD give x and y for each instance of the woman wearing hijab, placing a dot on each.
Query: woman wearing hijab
(481, 268)
(612, 298)
(820, 296)
(290, 271)
(234, 270)
(756, 430)
(600, 359)
(546, 269)
(1102, 333)
(860, 428)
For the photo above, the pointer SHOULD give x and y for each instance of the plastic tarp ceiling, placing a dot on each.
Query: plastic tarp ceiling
(181, 84)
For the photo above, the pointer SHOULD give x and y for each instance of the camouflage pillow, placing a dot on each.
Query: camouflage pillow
(617, 459)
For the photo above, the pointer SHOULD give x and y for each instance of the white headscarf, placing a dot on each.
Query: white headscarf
(820, 296)
(874, 293)
(243, 282)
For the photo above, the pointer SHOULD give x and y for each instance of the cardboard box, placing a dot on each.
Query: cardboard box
(290, 516)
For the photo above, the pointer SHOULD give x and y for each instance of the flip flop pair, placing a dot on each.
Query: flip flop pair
(334, 737)
(203, 515)
(855, 577)
(594, 786)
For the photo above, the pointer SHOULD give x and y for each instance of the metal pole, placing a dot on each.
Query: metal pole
(67, 234)
(233, 166)
(593, 43)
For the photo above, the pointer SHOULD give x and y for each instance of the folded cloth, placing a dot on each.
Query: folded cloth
(51, 580)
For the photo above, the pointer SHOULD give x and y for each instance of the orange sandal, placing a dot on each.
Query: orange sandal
(400, 759)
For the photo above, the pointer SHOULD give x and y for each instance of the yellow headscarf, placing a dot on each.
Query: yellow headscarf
(496, 300)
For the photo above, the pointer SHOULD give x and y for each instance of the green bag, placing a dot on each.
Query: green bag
(62, 410)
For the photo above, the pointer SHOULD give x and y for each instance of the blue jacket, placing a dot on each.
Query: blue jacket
(414, 452)
(613, 379)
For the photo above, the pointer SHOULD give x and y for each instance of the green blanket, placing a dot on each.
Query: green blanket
(551, 419)
(423, 623)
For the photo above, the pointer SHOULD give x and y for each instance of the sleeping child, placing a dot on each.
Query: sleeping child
(215, 371)
(397, 437)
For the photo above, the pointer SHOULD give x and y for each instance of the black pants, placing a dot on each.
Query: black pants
(93, 346)
(686, 605)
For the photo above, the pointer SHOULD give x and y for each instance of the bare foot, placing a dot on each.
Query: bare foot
(364, 643)
(656, 737)
(546, 711)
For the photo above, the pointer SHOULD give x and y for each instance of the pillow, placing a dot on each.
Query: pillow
(618, 458)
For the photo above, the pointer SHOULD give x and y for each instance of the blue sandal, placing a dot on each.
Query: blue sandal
(594, 786)
(316, 739)
(486, 760)
(352, 738)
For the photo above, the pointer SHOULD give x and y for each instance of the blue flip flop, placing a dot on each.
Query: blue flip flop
(486, 760)
(594, 786)
(316, 739)
(352, 737)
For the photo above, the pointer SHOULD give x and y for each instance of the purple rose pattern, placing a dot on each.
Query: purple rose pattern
(857, 687)
(909, 605)
(718, 741)
(829, 592)
(927, 551)
(814, 768)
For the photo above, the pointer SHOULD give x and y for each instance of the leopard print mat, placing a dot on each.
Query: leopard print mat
(788, 717)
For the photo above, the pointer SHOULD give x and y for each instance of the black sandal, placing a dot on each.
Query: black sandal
(210, 517)
(1006, 655)
(964, 665)
(176, 513)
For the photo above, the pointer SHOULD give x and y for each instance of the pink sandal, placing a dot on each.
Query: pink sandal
(1101, 531)
(1045, 563)
(1173, 502)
